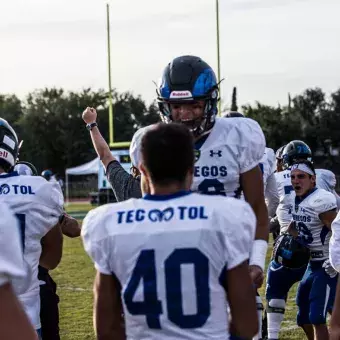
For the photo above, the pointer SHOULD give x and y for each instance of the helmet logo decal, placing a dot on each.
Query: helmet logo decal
(7, 156)
(180, 94)
(8, 141)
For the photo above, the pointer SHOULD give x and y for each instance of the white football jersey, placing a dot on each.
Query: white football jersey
(11, 252)
(168, 253)
(38, 205)
(334, 244)
(267, 165)
(312, 232)
(234, 146)
(325, 179)
(284, 188)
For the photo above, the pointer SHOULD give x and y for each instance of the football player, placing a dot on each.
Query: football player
(150, 252)
(267, 166)
(14, 323)
(334, 257)
(49, 311)
(280, 278)
(313, 212)
(38, 205)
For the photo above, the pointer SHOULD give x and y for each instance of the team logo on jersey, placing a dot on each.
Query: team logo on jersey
(215, 153)
(4, 189)
(197, 155)
(157, 215)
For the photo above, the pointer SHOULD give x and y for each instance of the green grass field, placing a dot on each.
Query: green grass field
(74, 277)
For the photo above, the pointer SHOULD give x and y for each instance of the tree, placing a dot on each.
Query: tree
(55, 135)
(234, 106)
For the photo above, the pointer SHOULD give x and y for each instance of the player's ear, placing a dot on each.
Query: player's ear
(313, 179)
(142, 170)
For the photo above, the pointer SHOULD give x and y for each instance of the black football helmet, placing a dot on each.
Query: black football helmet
(290, 253)
(294, 151)
(187, 79)
(9, 146)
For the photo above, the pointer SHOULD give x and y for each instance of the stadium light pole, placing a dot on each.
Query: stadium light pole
(218, 52)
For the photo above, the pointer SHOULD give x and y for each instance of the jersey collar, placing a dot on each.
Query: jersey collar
(298, 200)
(166, 197)
(11, 174)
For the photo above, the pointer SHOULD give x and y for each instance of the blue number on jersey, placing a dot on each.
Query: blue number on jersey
(305, 235)
(211, 187)
(288, 189)
(22, 225)
(151, 307)
(145, 270)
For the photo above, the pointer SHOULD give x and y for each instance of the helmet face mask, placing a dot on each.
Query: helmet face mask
(186, 81)
(25, 169)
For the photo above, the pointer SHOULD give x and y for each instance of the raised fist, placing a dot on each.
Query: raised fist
(89, 115)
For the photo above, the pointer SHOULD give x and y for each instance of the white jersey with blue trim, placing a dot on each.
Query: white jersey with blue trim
(325, 179)
(233, 147)
(11, 252)
(285, 188)
(267, 165)
(312, 232)
(169, 254)
(38, 205)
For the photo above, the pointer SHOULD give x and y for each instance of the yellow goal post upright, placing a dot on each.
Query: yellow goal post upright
(112, 143)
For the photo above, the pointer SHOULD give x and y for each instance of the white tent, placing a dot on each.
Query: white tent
(85, 169)
(89, 168)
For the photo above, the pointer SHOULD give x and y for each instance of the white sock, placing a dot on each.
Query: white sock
(259, 306)
(275, 315)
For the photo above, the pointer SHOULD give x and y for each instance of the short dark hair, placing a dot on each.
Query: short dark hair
(306, 162)
(168, 152)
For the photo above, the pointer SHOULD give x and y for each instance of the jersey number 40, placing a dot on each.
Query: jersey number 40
(152, 307)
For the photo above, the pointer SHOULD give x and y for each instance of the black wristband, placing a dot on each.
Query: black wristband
(91, 126)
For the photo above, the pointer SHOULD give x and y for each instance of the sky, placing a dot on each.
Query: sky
(268, 47)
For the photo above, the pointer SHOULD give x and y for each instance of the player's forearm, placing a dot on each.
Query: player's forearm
(14, 323)
(70, 226)
(335, 320)
(100, 145)
(262, 225)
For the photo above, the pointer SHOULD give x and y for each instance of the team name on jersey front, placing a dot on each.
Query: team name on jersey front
(157, 215)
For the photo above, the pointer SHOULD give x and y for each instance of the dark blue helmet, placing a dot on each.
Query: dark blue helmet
(289, 252)
(47, 174)
(294, 151)
(187, 79)
(9, 146)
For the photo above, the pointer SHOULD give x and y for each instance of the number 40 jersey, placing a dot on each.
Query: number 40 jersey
(234, 146)
(169, 254)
